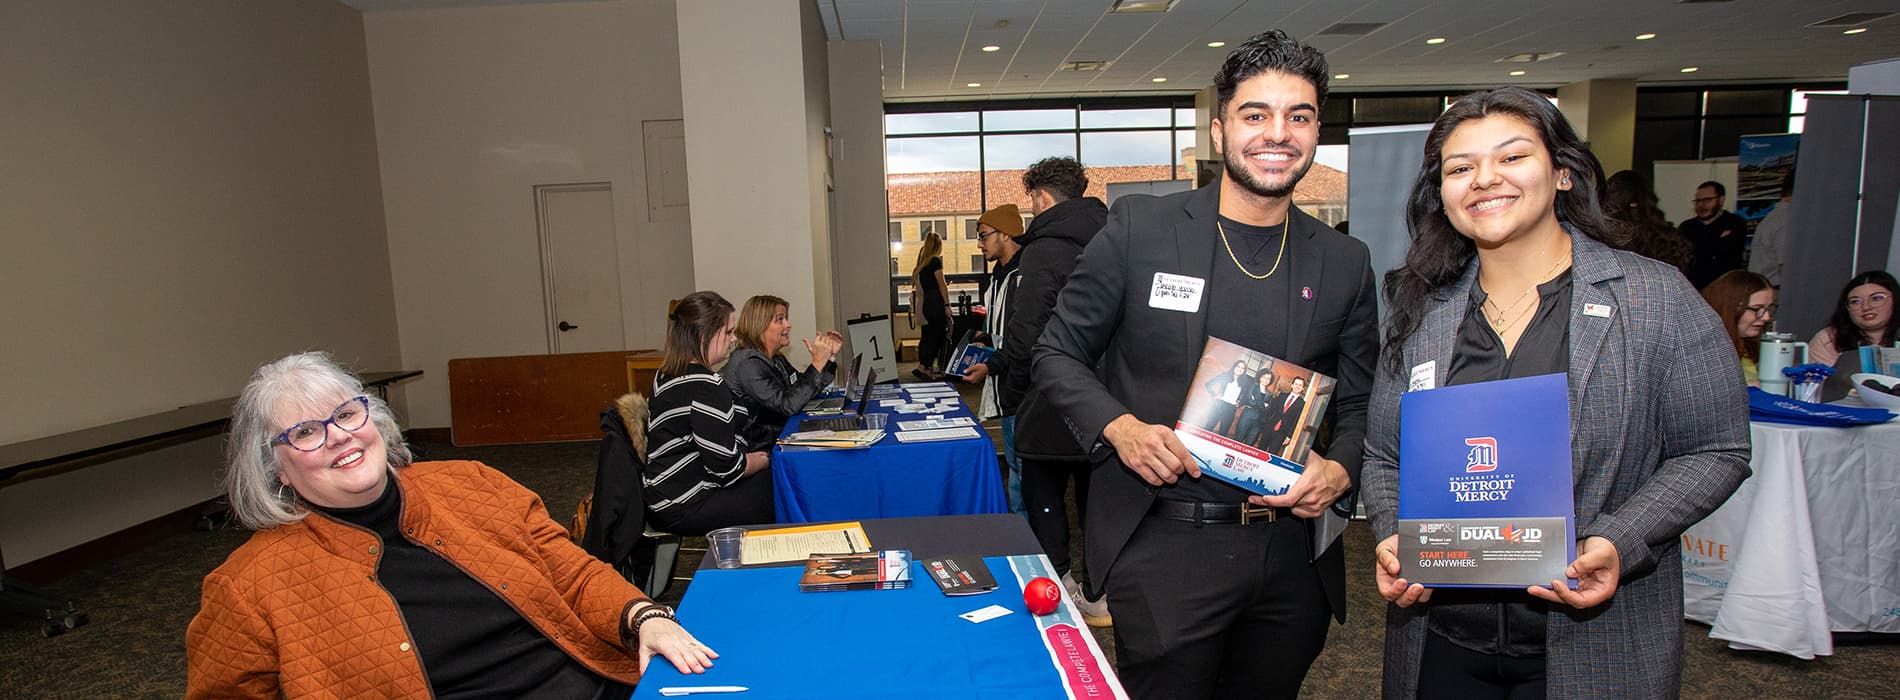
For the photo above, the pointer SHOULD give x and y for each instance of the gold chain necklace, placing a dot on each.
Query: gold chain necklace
(1496, 313)
(1236, 258)
(1497, 322)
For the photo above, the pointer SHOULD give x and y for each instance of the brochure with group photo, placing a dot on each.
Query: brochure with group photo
(1250, 417)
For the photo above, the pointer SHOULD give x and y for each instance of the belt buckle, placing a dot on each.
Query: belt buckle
(1249, 512)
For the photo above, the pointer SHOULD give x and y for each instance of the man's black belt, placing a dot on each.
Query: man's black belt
(1206, 513)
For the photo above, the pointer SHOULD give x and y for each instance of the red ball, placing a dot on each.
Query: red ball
(1042, 595)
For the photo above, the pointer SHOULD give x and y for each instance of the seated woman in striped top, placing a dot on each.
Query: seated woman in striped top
(698, 475)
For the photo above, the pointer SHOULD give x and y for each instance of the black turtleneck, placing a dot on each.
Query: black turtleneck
(472, 643)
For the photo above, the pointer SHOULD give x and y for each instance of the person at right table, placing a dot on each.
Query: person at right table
(1745, 303)
(1863, 316)
(1511, 274)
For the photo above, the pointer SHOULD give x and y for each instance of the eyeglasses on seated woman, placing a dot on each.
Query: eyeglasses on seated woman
(372, 576)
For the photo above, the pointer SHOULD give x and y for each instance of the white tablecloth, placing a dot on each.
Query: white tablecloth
(1808, 545)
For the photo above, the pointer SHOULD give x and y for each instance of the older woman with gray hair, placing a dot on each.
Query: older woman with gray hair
(369, 575)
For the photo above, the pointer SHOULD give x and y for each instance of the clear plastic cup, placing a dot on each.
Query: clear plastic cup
(875, 421)
(723, 545)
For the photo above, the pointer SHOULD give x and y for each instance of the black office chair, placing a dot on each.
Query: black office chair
(617, 529)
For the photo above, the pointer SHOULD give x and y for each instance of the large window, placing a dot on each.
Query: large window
(950, 163)
(1697, 123)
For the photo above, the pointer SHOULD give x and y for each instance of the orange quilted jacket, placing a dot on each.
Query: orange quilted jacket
(297, 610)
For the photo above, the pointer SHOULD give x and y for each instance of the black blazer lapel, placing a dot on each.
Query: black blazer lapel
(1307, 270)
(1195, 240)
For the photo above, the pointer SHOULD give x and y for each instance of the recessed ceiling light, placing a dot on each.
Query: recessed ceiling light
(992, 48)
(1435, 40)
(1216, 44)
(1645, 37)
(1690, 69)
(1516, 73)
(1341, 76)
(1157, 80)
(1855, 30)
(973, 85)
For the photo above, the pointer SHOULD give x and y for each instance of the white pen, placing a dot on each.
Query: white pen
(677, 690)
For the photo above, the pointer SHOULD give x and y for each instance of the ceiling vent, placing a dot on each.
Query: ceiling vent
(1852, 19)
(1530, 57)
(1135, 7)
(1352, 28)
(1085, 66)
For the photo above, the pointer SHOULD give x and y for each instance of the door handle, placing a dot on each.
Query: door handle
(565, 326)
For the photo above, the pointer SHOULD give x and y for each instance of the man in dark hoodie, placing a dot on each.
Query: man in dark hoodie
(1065, 222)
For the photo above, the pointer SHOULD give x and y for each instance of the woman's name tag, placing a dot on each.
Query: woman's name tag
(1176, 292)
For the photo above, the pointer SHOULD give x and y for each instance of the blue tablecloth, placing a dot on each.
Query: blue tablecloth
(887, 480)
(783, 643)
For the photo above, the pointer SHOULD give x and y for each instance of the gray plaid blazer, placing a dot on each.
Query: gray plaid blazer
(1659, 421)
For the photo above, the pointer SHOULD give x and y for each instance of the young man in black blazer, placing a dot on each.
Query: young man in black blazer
(1217, 593)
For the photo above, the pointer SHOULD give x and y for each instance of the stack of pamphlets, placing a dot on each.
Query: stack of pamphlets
(961, 575)
(833, 438)
(969, 353)
(885, 570)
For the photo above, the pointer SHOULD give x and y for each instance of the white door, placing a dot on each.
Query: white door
(580, 267)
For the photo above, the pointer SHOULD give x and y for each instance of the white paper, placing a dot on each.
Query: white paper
(935, 423)
(1176, 292)
(934, 435)
(985, 614)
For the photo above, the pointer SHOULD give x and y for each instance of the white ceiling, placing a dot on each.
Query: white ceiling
(932, 48)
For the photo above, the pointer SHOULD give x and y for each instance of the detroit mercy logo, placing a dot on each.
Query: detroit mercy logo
(1483, 456)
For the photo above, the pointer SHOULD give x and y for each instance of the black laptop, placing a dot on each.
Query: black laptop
(850, 387)
(852, 422)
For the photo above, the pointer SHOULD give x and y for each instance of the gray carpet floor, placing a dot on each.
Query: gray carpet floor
(141, 602)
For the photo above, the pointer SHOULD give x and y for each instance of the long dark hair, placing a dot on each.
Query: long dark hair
(690, 327)
(1728, 295)
(1629, 199)
(1439, 254)
(1843, 322)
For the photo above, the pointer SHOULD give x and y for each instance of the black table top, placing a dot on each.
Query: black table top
(989, 535)
(100, 442)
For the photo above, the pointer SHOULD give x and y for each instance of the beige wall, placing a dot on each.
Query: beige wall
(752, 121)
(860, 238)
(1604, 113)
(817, 63)
(474, 108)
(190, 190)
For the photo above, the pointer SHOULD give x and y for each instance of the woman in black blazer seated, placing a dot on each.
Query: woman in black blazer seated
(699, 476)
(767, 383)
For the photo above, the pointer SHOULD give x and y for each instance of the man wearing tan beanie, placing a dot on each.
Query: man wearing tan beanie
(996, 232)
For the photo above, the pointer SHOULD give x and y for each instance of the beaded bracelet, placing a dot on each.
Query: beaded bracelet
(657, 611)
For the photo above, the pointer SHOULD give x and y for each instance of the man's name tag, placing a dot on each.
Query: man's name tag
(1176, 292)
(1597, 310)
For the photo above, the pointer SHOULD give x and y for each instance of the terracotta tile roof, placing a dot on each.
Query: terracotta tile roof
(955, 192)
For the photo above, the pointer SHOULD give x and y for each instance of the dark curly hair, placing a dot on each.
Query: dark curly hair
(1267, 51)
(1439, 254)
(1061, 176)
(1629, 199)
